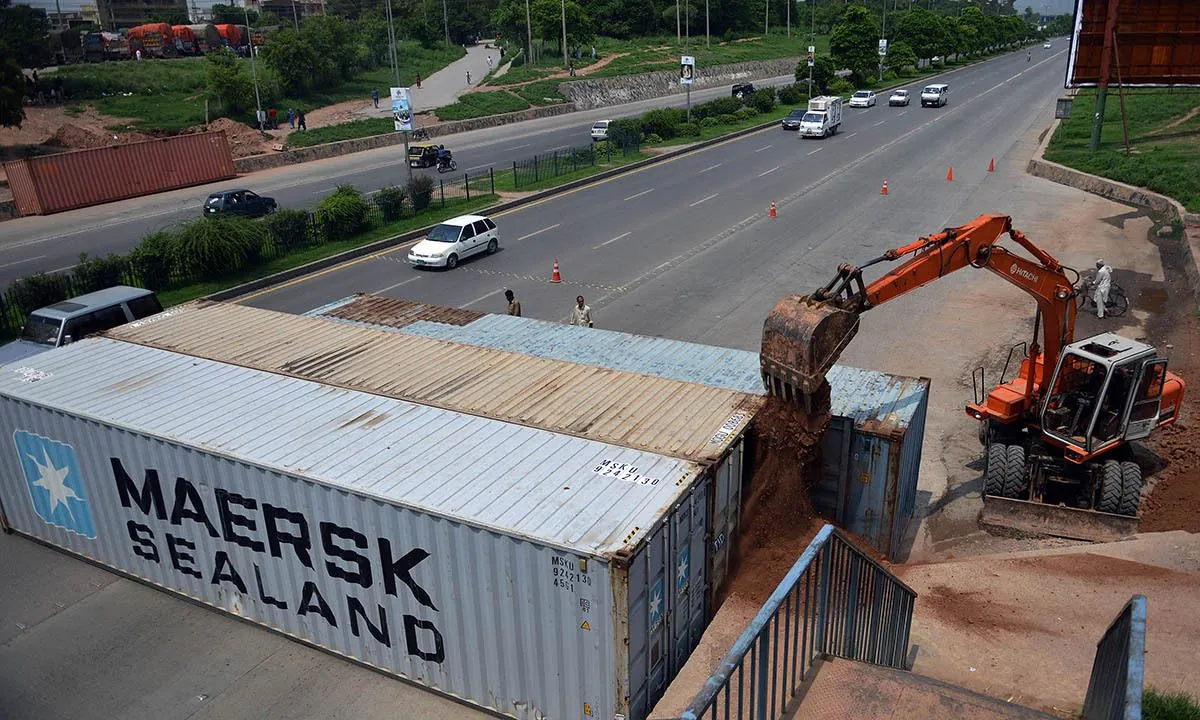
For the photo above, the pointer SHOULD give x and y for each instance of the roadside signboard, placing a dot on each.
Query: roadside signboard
(882, 47)
(1148, 43)
(687, 70)
(812, 55)
(402, 110)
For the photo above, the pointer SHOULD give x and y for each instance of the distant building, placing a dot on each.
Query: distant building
(130, 13)
(286, 10)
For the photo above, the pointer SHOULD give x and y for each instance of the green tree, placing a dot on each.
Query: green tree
(290, 55)
(900, 56)
(855, 42)
(228, 82)
(170, 17)
(12, 91)
(923, 31)
(23, 32)
(335, 46)
(824, 70)
(547, 22)
(232, 15)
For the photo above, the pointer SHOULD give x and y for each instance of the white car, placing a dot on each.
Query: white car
(600, 130)
(1046, 45)
(900, 97)
(862, 98)
(454, 240)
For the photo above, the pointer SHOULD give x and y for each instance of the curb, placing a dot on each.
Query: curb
(1128, 195)
(388, 243)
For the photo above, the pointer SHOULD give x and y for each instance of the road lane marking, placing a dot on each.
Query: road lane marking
(769, 171)
(877, 124)
(559, 147)
(851, 135)
(703, 200)
(18, 262)
(710, 167)
(403, 282)
(903, 113)
(481, 298)
(1014, 77)
(814, 152)
(638, 195)
(994, 87)
(764, 147)
(607, 242)
(518, 147)
(324, 190)
(477, 167)
(538, 232)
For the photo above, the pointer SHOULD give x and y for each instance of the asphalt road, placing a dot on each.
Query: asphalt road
(54, 242)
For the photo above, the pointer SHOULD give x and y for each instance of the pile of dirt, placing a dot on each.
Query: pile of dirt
(1172, 503)
(73, 137)
(243, 139)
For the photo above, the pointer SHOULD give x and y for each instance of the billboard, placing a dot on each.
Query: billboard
(1154, 43)
(687, 70)
(402, 110)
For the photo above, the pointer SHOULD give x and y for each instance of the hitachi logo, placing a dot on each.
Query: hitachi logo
(1022, 272)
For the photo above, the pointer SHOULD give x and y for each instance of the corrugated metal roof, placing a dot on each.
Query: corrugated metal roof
(668, 417)
(398, 313)
(518, 480)
(873, 400)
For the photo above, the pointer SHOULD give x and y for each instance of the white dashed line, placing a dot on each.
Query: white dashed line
(638, 195)
(761, 174)
(518, 147)
(814, 152)
(703, 200)
(879, 123)
(764, 147)
(393, 287)
(18, 262)
(851, 135)
(710, 167)
(538, 232)
(481, 298)
(606, 242)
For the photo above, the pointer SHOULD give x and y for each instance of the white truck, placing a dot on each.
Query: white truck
(823, 118)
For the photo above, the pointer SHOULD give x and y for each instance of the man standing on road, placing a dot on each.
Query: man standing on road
(1103, 282)
(300, 120)
(489, 61)
(375, 96)
(514, 305)
(418, 81)
(468, 77)
(581, 314)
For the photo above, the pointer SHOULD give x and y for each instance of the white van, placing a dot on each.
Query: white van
(935, 95)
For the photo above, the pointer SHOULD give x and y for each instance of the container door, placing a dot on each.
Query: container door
(649, 593)
(689, 580)
(829, 496)
(726, 493)
(866, 490)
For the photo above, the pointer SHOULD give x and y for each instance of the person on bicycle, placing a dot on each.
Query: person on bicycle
(1101, 285)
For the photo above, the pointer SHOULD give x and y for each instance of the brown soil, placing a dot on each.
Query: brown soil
(587, 70)
(243, 139)
(1173, 503)
(73, 137)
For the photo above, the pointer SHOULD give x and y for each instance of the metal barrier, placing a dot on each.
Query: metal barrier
(1115, 690)
(834, 601)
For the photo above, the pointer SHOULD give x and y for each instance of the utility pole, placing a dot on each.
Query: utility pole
(812, 42)
(789, 18)
(394, 51)
(678, 27)
(529, 34)
(446, 21)
(253, 70)
(295, 17)
(707, 37)
(883, 36)
(566, 63)
(767, 19)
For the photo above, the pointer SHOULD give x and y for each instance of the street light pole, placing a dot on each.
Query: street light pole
(253, 71)
(812, 41)
(884, 37)
(395, 53)
(529, 34)
(564, 37)
(446, 21)
(707, 37)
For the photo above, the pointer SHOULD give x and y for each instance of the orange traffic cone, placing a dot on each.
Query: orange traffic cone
(992, 165)
(883, 190)
(555, 277)
(773, 209)
(950, 174)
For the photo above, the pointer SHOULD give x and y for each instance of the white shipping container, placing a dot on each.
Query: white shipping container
(532, 573)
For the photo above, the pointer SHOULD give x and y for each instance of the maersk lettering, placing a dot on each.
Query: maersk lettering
(264, 529)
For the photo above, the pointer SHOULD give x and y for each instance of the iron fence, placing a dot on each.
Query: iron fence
(1115, 689)
(545, 166)
(834, 601)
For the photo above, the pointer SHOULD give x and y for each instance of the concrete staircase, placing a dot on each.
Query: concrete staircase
(849, 690)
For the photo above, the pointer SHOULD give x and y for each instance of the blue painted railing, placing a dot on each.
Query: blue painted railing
(1115, 690)
(834, 601)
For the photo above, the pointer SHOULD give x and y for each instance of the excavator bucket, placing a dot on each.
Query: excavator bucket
(802, 339)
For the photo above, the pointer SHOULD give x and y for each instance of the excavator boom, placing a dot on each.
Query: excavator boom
(805, 334)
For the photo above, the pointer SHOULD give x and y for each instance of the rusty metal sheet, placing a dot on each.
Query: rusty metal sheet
(398, 313)
(1056, 520)
(802, 339)
(668, 417)
(70, 180)
(1157, 43)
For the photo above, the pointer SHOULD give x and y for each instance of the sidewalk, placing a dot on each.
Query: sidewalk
(444, 86)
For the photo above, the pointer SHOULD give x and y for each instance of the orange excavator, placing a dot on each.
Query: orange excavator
(1056, 435)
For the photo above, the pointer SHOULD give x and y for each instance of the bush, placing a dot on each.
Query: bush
(420, 192)
(342, 215)
(841, 87)
(745, 113)
(288, 229)
(709, 122)
(689, 130)
(762, 100)
(794, 94)
(662, 122)
(652, 139)
(625, 132)
(728, 118)
(36, 291)
(391, 202)
(890, 76)
(716, 108)
(152, 260)
(210, 248)
(93, 274)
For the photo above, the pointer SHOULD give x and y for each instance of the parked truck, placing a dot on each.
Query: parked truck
(106, 46)
(823, 118)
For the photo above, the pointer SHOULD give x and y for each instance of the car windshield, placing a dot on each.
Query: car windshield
(900, 93)
(41, 330)
(213, 201)
(444, 233)
(796, 114)
(600, 125)
(861, 94)
(932, 90)
(813, 117)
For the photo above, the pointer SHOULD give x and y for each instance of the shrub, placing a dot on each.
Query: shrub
(420, 192)
(841, 87)
(762, 100)
(794, 94)
(745, 113)
(715, 108)
(728, 118)
(689, 130)
(625, 132)
(652, 139)
(709, 122)
(288, 229)
(93, 274)
(209, 248)
(342, 215)
(152, 260)
(662, 122)
(35, 291)
(890, 75)
(391, 202)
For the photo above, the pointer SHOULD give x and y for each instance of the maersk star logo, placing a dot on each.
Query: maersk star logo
(55, 486)
(683, 569)
(656, 604)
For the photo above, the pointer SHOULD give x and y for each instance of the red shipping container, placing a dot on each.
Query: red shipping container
(53, 183)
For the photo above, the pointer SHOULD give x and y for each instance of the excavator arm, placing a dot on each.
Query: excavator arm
(804, 335)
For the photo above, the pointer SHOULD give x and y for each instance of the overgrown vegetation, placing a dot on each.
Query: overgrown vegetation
(1164, 138)
(481, 104)
(1158, 705)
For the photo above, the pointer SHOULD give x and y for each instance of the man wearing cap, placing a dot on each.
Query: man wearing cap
(1103, 282)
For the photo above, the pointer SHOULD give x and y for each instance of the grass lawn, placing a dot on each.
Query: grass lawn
(505, 181)
(1165, 147)
(432, 216)
(480, 104)
(341, 131)
(1169, 706)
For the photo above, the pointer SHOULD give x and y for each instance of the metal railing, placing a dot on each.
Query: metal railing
(546, 166)
(834, 601)
(1115, 689)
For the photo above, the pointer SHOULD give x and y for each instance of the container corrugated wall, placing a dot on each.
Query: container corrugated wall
(288, 504)
(668, 417)
(88, 177)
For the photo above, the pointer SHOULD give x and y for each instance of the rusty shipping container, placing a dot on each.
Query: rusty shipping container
(53, 183)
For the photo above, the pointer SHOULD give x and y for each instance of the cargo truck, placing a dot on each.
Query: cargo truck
(823, 118)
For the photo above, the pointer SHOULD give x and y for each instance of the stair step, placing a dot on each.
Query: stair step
(848, 690)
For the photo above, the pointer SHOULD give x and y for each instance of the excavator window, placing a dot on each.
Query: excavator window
(1112, 408)
(1072, 401)
(1149, 394)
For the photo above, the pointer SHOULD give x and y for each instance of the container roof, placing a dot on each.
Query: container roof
(873, 400)
(664, 416)
(517, 480)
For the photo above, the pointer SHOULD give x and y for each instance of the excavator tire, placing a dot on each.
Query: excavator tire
(1015, 485)
(1111, 482)
(995, 470)
(1131, 489)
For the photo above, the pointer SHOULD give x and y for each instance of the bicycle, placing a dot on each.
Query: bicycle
(1115, 306)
